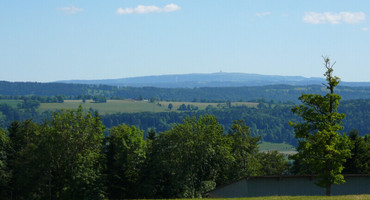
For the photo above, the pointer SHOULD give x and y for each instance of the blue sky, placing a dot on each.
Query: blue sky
(49, 40)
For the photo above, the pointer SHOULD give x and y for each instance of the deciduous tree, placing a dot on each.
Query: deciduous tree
(126, 151)
(273, 163)
(62, 159)
(188, 159)
(244, 149)
(321, 146)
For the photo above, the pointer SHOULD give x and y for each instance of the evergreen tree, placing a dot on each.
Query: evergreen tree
(359, 163)
(23, 161)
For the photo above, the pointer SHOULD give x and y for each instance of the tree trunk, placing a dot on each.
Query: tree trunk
(328, 190)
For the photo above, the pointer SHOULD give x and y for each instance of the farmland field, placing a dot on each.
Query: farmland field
(130, 106)
(280, 147)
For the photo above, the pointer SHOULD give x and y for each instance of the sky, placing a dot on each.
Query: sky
(50, 40)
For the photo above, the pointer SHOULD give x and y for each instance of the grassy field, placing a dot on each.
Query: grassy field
(281, 147)
(346, 197)
(130, 106)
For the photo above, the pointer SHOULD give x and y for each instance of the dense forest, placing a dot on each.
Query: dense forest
(68, 157)
(282, 93)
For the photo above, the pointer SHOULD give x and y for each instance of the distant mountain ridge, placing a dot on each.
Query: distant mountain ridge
(220, 79)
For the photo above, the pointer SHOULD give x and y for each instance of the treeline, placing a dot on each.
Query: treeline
(277, 93)
(42, 89)
(21, 112)
(40, 99)
(357, 115)
(68, 157)
(269, 121)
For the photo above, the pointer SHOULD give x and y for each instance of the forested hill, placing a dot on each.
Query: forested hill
(277, 93)
(271, 92)
(210, 80)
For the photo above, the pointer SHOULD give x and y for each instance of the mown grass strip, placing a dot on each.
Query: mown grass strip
(281, 147)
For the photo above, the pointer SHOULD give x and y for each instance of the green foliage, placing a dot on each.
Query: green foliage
(182, 107)
(359, 163)
(170, 106)
(99, 99)
(321, 148)
(189, 107)
(62, 160)
(151, 134)
(24, 160)
(271, 123)
(76, 152)
(4, 170)
(29, 105)
(195, 156)
(357, 115)
(244, 150)
(277, 93)
(188, 159)
(273, 163)
(126, 152)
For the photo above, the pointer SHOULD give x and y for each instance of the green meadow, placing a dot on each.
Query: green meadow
(280, 147)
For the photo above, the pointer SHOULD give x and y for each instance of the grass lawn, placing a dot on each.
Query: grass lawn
(280, 147)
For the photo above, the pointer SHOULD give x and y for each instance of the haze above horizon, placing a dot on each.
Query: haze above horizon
(47, 41)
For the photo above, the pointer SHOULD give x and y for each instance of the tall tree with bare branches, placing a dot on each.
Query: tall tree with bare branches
(321, 147)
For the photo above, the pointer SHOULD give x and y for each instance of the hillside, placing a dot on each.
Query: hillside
(266, 119)
(277, 93)
(210, 80)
